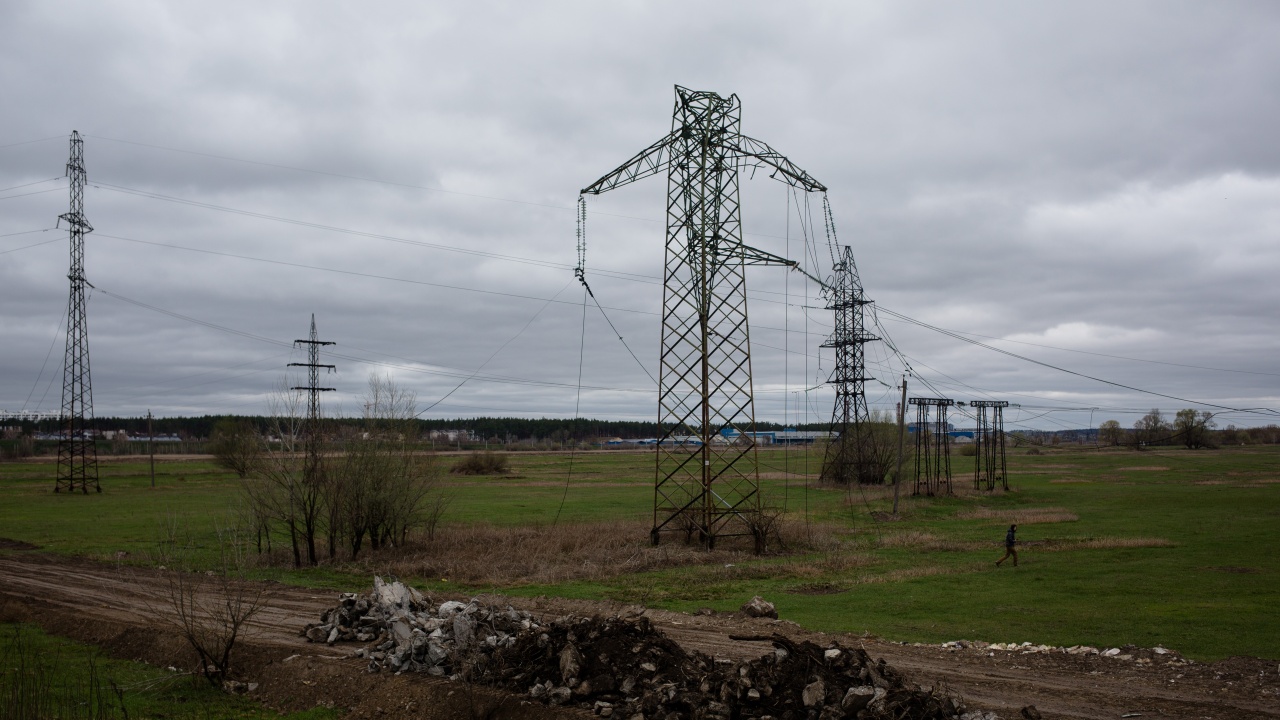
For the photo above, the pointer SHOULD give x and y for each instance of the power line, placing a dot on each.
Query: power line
(378, 181)
(352, 358)
(618, 274)
(1050, 366)
(1098, 354)
(29, 142)
(37, 182)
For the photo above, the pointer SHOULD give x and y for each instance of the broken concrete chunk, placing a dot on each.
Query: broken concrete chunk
(570, 662)
(450, 607)
(758, 607)
(813, 693)
(857, 698)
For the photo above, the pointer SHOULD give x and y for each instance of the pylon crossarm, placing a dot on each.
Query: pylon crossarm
(650, 161)
(755, 152)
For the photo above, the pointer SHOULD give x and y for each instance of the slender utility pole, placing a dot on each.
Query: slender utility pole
(902, 439)
(77, 452)
(151, 448)
(311, 433)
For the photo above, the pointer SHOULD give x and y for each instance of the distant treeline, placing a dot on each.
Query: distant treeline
(482, 428)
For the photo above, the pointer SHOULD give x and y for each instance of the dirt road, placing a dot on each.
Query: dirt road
(115, 606)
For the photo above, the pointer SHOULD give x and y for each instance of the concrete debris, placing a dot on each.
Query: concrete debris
(626, 667)
(758, 607)
(403, 632)
(1141, 656)
(622, 666)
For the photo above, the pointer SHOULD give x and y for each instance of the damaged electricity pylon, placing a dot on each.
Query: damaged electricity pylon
(989, 458)
(77, 454)
(933, 446)
(311, 430)
(847, 457)
(707, 473)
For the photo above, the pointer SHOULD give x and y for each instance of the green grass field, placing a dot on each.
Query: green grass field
(1166, 546)
(62, 675)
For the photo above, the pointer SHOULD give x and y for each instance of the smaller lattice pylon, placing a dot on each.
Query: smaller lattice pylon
(311, 430)
(77, 451)
(845, 460)
(933, 446)
(989, 465)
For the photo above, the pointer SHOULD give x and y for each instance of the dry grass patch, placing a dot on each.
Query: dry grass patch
(1106, 543)
(1020, 516)
(907, 574)
(1065, 481)
(926, 541)
(782, 475)
(1144, 468)
(504, 556)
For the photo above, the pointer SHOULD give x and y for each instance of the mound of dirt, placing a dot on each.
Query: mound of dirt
(621, 664)
(624, 666)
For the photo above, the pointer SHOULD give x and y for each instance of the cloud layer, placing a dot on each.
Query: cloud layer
(1088, 185)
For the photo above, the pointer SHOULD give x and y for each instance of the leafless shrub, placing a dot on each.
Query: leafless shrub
(481, 463)
(763, 525)
(866, 456)
(210, 609)
(236, 446)
(370, 484)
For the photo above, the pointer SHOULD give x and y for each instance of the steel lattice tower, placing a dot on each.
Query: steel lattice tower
(705, 480)
(77, 454)
(989, 460)
(311, 432)
(844, 459)
(933, 446)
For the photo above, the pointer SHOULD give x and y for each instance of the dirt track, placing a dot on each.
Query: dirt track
(110, 606)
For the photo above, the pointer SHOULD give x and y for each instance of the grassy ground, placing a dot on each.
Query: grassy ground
(70, 680)
(1166, 546)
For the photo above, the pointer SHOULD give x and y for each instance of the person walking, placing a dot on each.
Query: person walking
(1009, 543)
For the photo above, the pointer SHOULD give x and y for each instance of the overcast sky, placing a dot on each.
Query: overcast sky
(1095, 186)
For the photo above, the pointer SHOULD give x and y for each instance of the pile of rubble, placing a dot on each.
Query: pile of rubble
(1128, 652)
(622, 666)
(406, 633)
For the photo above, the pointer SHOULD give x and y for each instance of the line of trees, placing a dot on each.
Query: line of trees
(500, 429)
(1191, 428)
(333, 489)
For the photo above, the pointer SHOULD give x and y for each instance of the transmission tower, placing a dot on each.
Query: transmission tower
(989, 460)
(77, 454)
(707, 473)
(311, 430)
(845, 461)
(933, 446)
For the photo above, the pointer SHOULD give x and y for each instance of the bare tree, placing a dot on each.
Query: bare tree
(1194, 427)
(383, 486)
(236, 446)
(1110, 432)
(210, 609)
(1150, 428)
(278, 490)
(875, 454)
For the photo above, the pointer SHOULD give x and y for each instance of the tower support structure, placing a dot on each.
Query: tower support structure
(989, 462)
(311, 429)
(77, 452)
(707, 481)
(933, 446)
(847, 457)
